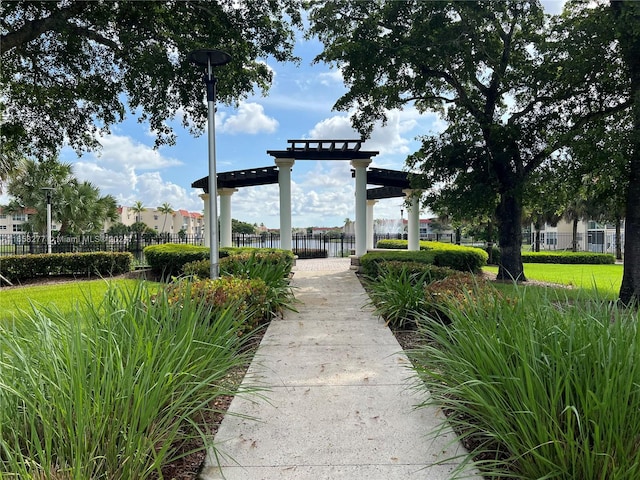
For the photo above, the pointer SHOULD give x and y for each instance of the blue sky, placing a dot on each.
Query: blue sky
(298, 105)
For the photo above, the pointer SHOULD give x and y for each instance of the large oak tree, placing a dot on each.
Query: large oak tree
(494, 69)
(73, 68)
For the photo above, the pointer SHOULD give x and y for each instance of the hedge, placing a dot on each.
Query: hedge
(464, 259)
(568, 258)
(370, 261)
(16, 268)
(168, 258)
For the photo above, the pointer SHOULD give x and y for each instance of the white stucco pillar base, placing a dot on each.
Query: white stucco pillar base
(413, 213)
(225, 216)
(360, 167)
(207, 218)
(370, 204)
(284, 182)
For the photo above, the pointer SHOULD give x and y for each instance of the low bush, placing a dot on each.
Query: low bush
(464, 259)
(539, 389)
(113, 390)
(246, 297)
(586, 258)
(370, 262)
(311, 253)
(16, 268)
(168, 259)
(458, 257)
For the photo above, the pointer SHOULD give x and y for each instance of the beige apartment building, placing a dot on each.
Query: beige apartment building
(192, 223)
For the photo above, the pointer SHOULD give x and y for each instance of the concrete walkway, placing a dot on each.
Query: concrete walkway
(338, 401)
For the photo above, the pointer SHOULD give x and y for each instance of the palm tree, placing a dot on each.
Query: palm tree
(165, 209)
(138, 208)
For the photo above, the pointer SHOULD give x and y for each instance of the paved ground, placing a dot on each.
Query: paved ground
(338, 401)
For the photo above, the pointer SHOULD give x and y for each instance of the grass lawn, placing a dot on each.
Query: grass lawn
(603, 279)
(63, 296)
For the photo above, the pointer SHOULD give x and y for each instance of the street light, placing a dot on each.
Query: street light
(48, 191)
(210, 58)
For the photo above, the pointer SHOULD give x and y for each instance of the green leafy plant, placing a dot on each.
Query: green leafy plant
(397, 295)
(112, 391)
(539, 389)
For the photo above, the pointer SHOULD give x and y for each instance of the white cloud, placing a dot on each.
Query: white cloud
(250, 118)
(123, 150)
(392, 138)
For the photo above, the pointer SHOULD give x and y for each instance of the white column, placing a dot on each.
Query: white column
(284, 182)
(225, 216)
(207, 218)
(413, 219)
(370, 204)
(361, 204)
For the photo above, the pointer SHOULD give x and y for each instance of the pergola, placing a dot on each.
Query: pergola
(393, 184)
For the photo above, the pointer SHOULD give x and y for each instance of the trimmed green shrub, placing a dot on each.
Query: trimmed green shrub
(311, 253)
(569, 258)
(17, 268)
(458, 257)
(168, 259)
(395, 244)
(370, 261)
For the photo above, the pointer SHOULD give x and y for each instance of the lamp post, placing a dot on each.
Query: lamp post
(48, 191)
(210, 58)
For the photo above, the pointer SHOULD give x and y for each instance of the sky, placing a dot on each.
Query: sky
(299, 105)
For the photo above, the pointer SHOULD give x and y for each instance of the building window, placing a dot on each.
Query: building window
(17, 227)
(3, 227)
(3, 216)
(19, 217)
(155, 217)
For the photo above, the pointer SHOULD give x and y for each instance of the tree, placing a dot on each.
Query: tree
(626, 16)
(491, 68)
(77, 206)
(166, 210)
(71, 69)
(242, 227)
(137, 208)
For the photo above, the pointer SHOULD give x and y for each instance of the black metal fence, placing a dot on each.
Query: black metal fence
(303, 245)
(25, 244)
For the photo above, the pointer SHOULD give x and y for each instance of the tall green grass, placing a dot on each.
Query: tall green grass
(540, 390)
(110, 390)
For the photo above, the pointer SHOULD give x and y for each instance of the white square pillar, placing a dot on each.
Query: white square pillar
(360, 167)
(225, 216)
(284, 182)
(413, 233)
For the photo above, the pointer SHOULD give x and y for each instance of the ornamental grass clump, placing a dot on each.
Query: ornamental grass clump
(397, 295)
(110, 393)
(539, 389)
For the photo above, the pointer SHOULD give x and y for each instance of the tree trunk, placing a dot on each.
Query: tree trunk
(618, 239)
(574, 233)
(627, 15)
(509, 218)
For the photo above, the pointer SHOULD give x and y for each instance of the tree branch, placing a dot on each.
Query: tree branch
(572, 131)
(33, 29)
(453, 82)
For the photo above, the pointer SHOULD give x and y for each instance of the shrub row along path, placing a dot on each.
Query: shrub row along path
(339, 400)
